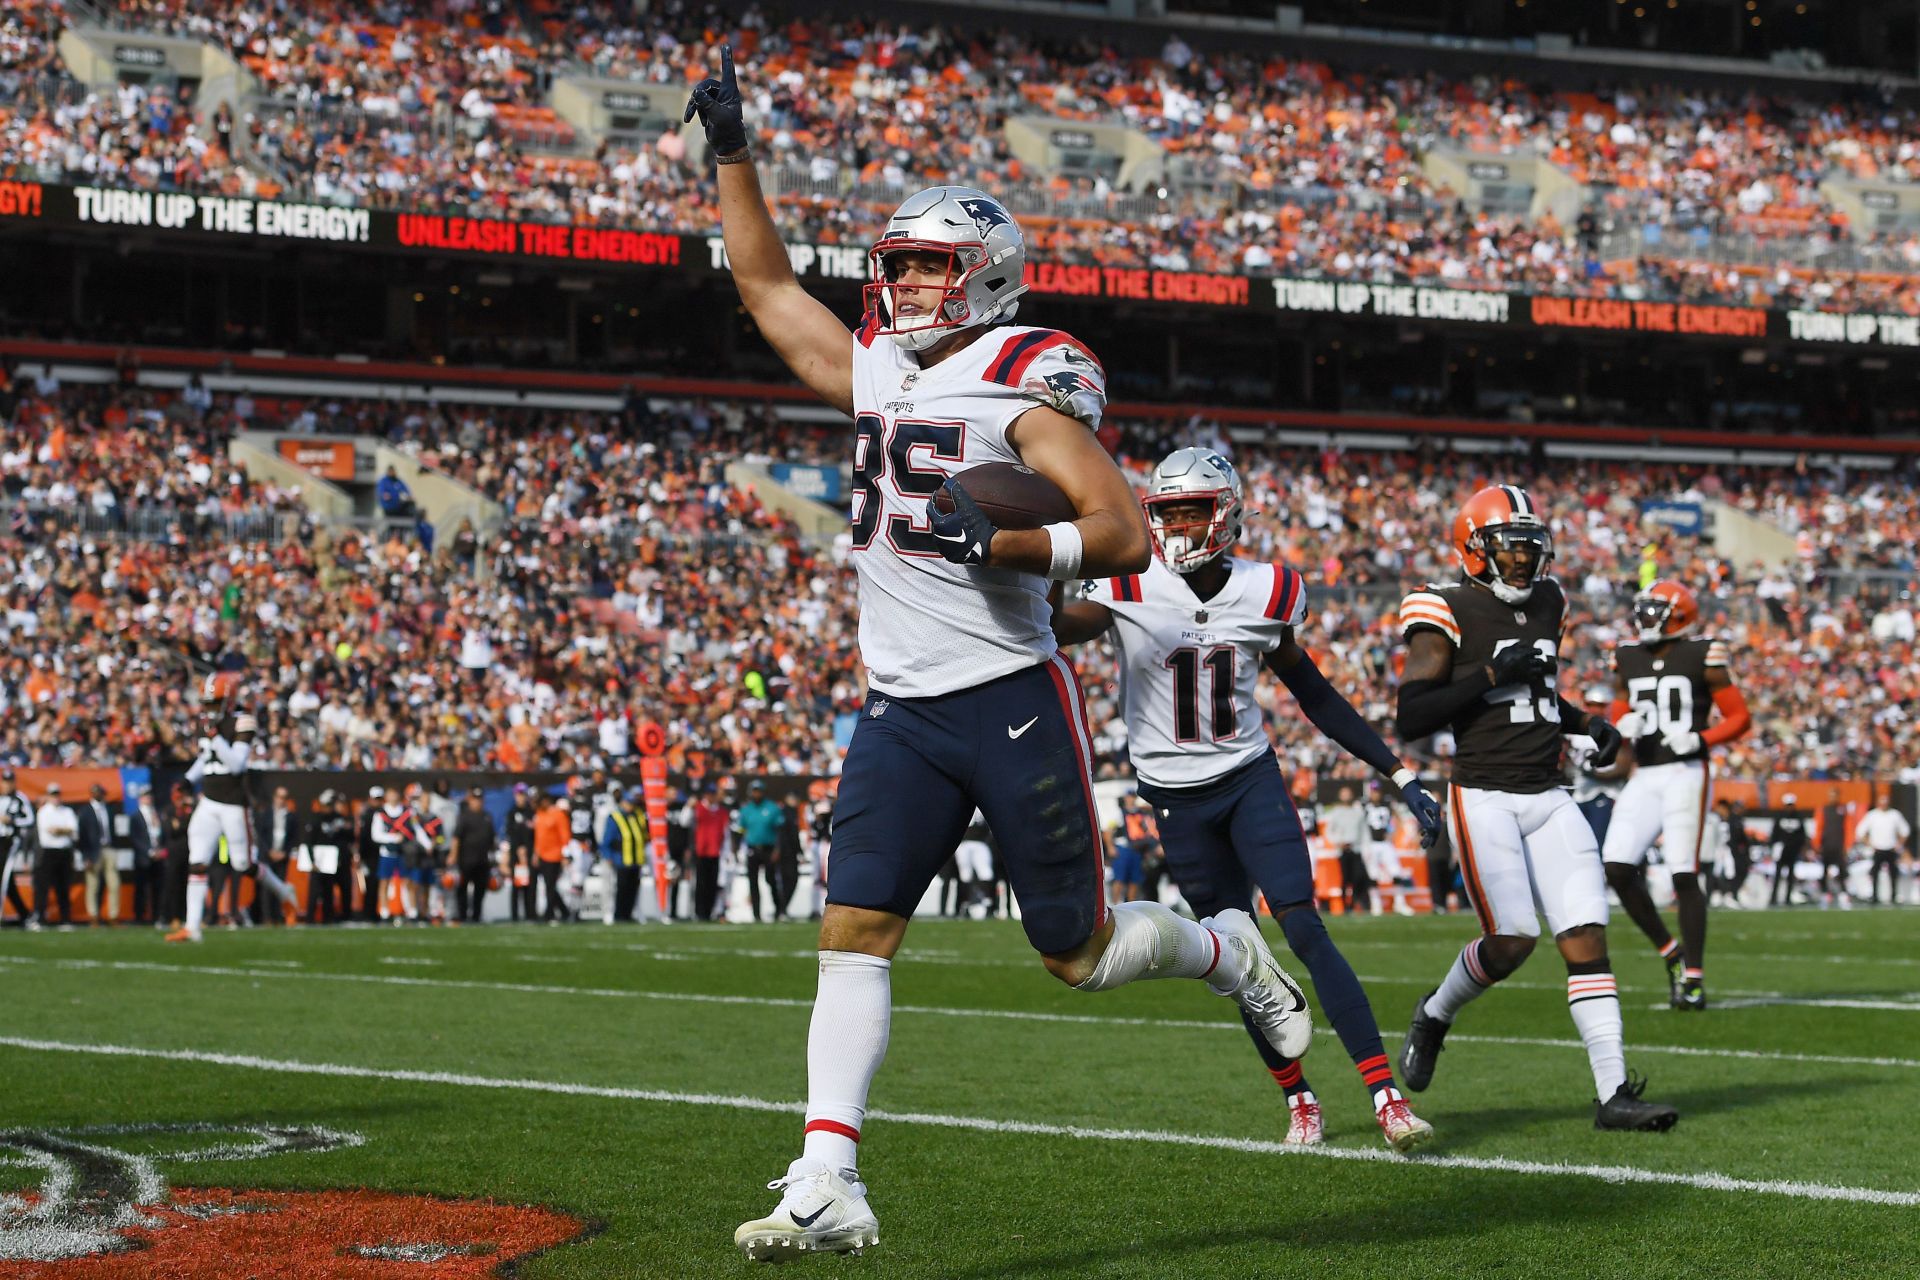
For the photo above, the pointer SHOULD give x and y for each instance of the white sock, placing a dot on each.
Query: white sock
(1466, 980)
(1594, 1001)
(846, 1043)
(196, 900)
(1152, 941)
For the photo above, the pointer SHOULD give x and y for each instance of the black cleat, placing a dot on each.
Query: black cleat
(1626, 1110)
(1421, 1049)
(1675, 967)
(1693, 996)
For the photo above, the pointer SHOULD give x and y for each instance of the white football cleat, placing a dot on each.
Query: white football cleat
(820, 1212)
(1266, 994)
(1402, 1129)
(1303, 1121)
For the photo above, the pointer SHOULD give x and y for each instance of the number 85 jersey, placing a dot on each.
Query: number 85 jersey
(1509, 740)
(928, 626)
(1189, 667)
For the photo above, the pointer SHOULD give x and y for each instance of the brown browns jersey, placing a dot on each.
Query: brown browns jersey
(1508, 740)
(1669, 691)
(218, 783)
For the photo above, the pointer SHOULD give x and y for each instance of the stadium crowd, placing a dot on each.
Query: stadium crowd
(1274, 165)
(631, 582)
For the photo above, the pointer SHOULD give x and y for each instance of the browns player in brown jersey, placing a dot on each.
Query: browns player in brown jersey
(1481, 659)
(1666, 687)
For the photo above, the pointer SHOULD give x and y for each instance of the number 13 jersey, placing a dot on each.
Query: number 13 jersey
(928, 626)
(1508, 740)
(1189, 667)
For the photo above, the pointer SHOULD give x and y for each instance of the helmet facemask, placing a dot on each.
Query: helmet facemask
(1652, 616)
(1514, 539)
(1190, 539)
(884, 294)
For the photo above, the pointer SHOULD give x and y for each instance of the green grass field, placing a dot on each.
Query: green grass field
(649, 1080)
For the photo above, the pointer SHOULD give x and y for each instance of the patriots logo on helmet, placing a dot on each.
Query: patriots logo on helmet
(986, 215)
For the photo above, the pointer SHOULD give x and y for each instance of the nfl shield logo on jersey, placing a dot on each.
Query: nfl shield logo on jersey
(877, 710)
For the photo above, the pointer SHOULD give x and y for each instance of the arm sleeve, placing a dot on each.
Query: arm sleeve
(1334, 716)
(1428, 706)
(1573, 720)
(1734, 720)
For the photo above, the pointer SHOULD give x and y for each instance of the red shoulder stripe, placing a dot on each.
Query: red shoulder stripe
(1293, 596)
(868, 323)
(1019, 352)
(1285, 587)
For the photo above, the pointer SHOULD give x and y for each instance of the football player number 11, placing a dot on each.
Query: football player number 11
(1185, 665)
(1523, 707)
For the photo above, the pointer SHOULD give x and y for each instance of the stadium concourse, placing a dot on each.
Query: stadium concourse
(1283, 165)
(632, 583)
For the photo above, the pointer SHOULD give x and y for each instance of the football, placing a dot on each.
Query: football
(1012, 496)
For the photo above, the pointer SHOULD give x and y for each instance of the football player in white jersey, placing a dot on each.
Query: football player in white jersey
(1194, 631)
(220, 771)
(970, 704)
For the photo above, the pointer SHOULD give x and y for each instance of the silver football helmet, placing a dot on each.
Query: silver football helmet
(1188, 476)
(986, 264)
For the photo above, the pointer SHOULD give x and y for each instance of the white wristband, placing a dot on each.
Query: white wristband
(1065, 566)
(1403, 775)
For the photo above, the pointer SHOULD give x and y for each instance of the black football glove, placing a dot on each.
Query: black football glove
(1520, 664)
(718, 102)
(1606, 743)
(965, 534)
(1425, 812)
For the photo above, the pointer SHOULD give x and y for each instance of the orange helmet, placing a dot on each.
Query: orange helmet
(1502, 517)
(1664, 611)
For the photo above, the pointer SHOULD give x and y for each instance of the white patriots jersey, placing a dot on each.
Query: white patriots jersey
(928, 626)
(1189, 667)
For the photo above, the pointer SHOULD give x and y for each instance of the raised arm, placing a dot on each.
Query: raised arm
(809, 337)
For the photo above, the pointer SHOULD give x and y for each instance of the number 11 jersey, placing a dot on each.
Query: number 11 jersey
(929, 626)
(1508, 739)
(1189, 667)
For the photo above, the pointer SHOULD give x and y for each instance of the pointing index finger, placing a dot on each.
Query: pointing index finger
(726, 66)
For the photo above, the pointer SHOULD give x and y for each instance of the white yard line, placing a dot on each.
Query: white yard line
(1133, 1137)
(941, 1011)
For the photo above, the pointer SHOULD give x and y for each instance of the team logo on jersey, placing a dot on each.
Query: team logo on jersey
(986, 215)
(878, 709)
(1065, 383)
(103, 1211)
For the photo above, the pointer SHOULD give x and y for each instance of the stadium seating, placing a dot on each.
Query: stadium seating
(631, 580)
(1281, 166)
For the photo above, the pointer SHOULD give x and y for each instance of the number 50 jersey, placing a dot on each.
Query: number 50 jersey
(1189, 667)
(1670, 692)
(928, 626)
(1509, 740)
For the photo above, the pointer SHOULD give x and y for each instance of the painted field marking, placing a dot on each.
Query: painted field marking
(737, 1102)
(941, 1011)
